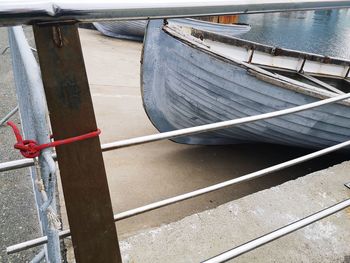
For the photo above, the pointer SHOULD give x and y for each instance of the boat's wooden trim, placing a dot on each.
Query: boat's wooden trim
(292, 86)
(275, 51)
(263, 59)
(294, 71)
(321, 83)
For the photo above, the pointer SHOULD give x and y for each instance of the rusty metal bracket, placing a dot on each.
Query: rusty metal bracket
(57, 36)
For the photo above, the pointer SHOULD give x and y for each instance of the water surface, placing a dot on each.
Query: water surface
(321, 32)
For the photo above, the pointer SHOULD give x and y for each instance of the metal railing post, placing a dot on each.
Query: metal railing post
(33, 113)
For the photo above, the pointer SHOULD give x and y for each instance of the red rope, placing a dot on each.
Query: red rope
(31, 148)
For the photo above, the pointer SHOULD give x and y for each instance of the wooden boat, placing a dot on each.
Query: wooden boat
(134, 30)
(192, 77)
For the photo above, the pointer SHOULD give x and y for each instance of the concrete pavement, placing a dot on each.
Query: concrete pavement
(209, 233)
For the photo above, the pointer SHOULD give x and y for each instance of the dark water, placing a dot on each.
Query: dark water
(321, 32)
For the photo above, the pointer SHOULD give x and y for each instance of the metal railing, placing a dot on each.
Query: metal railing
(11, 165)
(265, 239)
(27, 76)
(183, 197)
(31, 12)
(8, 116)
(35, 125)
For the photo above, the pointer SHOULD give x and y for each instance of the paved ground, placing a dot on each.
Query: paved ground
(203, 235)
(18, 217)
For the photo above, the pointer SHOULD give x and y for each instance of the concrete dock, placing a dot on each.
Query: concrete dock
(147, 173)
(209, 233)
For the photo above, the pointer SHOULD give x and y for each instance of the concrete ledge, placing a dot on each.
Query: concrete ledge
(211, 232)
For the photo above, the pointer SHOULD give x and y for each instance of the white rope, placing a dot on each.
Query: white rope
(52, 217)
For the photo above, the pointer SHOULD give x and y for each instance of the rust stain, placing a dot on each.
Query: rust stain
(228, 19)
(231, 19)
(57, 36)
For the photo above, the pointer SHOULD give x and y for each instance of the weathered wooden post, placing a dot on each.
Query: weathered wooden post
(81, 164)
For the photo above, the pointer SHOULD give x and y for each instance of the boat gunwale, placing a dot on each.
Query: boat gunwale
(235, 25)
(272, 50)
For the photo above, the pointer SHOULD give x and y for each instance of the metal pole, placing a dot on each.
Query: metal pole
(263, 240)
(29, 12)
(39, 257)
(33, 113)
(188, 131)
(34, 243)
(176, 199)
(8, 116)
(220, 125)
(234, 181)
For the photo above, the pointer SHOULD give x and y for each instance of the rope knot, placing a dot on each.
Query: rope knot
(28, 148)
(31, 149)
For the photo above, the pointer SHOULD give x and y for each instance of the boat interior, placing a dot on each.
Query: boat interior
(334, 84)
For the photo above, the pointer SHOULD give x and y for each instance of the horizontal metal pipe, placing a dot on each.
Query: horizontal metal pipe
(16, 164)
(176, 199)
(242, 249)
(8, 116)
(7, 166)
(34, 242)
(29, 12)
(220, 125)
(231, 182)
(39, 257)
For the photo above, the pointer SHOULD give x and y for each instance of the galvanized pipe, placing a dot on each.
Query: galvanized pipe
(8, 116)
(33, 113)
(234, 181)
(39, 257)
(242, 249)
(7, 166)
(219, 125)
(30, 12)
(34, 243)
(16, 164)
(176, 199)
